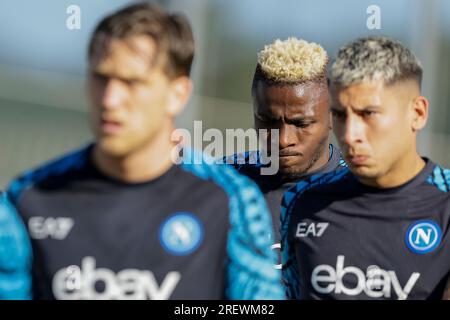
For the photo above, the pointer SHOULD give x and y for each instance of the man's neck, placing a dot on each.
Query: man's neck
(145, 164)
(322, 160)
(402, 172)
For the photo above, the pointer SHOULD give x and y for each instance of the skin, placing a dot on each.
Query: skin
(301, 114)
(376, 126)
(133, 105)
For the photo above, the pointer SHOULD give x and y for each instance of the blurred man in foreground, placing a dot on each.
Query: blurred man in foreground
(118, 219)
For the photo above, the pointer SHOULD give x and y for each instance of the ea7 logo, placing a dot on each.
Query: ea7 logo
(55, 228)
(312, 229)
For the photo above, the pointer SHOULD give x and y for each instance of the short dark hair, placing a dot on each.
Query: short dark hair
(171, 32)
(375, 57)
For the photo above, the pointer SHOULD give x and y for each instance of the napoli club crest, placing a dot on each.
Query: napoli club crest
(181, 233)
(423, 236)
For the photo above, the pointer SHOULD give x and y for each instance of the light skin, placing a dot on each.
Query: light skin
(376, 125)
(301, 114)
(133, 105)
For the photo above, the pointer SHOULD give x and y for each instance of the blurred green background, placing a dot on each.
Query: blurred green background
(42, 63)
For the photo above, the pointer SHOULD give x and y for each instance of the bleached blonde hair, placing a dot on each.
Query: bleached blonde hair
(373, 58)
(292, 61)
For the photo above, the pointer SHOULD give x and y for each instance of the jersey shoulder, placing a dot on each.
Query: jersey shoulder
(250, 271)
(440, 179)
(247, 204)
(237, 160)
(332, 182)
(252, 165)
(326, 182)
(247, 163)
(49, 171)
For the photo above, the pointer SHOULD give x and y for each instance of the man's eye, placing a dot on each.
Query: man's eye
(302, 125)
(132, 82)
(368, 114)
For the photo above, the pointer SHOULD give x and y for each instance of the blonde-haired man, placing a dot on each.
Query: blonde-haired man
(290, 94)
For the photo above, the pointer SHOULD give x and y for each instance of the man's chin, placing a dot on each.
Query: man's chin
(292, 172)
(113, 147)
(364, 172)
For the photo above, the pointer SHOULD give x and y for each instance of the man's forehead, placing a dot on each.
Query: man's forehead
(294, 93)
(360, 94)
(132, 56)
(293, 99)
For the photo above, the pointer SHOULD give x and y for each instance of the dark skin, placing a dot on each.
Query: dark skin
(301, 114)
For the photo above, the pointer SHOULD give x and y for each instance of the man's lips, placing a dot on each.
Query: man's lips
(357, 160)
(110, 126)
(289, 154)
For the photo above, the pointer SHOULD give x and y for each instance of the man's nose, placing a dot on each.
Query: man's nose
(288, 136)
(353, 132)
(113, 94)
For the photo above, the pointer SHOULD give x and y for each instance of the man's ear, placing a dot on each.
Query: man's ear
(420, 106)
(180, 89)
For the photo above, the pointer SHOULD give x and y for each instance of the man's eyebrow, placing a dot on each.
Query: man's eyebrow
(365, 108)
(130, 77)
(371, 107)
(304, 118)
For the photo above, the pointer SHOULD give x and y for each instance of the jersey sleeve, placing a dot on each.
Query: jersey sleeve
(251, 274)
(238, 159)
(250, 262)
(15, 254)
